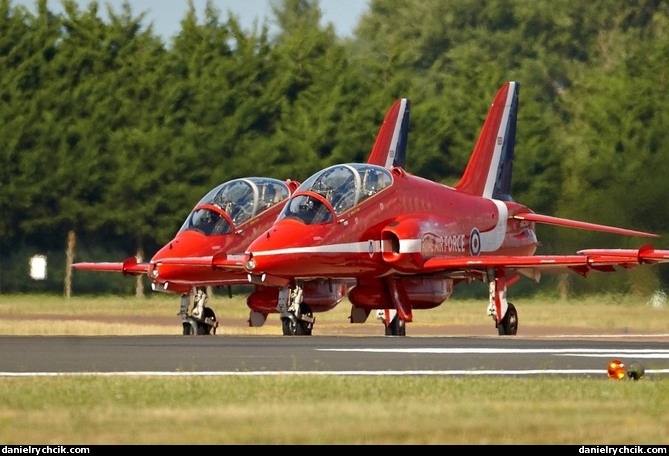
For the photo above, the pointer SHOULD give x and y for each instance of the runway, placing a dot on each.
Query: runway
(326, 355)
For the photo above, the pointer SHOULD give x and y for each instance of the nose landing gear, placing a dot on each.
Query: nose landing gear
(202, 320)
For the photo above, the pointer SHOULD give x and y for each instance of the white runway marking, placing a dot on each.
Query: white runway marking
(494, 372)
(646, 353)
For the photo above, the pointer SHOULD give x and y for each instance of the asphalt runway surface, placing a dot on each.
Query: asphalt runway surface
(329, 355)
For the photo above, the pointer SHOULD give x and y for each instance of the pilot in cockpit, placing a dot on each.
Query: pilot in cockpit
(370, 183)
(205, 221)
(270, 196)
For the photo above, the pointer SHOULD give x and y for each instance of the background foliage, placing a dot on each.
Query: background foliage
(107, 130)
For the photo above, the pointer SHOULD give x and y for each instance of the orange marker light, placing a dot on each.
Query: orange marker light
(616, 369)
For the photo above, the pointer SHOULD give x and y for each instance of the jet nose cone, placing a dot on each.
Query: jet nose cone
(271, 252)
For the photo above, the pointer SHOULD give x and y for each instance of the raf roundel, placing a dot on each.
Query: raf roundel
(475, 242)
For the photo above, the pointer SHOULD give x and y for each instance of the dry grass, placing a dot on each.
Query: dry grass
(156, 314)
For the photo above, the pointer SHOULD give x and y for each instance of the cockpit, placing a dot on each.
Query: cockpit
(233, 203)
(342, 187)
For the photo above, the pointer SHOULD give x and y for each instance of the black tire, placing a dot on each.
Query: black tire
(209, 313)
(287, 326)
(295, 327)
(307, 326)
(396, 327)
(193, 327)
(292, 327)
(189, 327)
(509, 324)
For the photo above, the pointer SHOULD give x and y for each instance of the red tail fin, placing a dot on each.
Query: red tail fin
(488, 172)
(391, 142)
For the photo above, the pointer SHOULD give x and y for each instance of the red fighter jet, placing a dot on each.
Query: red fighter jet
(407, 241)
(208, 249)
(223, 222)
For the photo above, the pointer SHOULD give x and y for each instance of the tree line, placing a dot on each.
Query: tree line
(112, 133)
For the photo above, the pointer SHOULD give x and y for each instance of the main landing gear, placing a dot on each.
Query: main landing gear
(498, 306)
(202, 320)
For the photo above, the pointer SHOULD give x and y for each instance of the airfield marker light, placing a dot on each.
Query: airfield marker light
(635, 370)
(616, 370)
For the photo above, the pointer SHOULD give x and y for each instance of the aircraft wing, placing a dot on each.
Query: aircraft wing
(533, 265)
(646, 254)
(532, 217)
(128, 267)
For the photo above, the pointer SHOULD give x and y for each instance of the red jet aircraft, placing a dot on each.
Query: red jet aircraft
(224, 222)
(406, 241)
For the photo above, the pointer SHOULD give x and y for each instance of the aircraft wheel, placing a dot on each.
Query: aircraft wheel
(209, 314)
(292, 327)
(509, 324)
(296, 327)
(193, 327)
(288, 326)
(307, 326)
(396, 327)
(189, 327)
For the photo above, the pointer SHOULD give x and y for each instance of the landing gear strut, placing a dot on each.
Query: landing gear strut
(202, 320)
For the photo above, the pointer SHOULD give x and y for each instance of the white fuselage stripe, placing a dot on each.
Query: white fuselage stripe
(353, 247)
(493, 239)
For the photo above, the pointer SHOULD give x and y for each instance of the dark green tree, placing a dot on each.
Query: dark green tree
(318, 94)
(29, 130)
